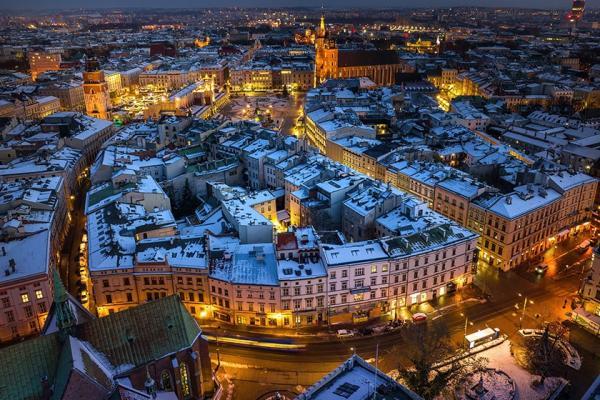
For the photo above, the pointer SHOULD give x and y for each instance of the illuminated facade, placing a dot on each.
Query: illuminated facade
(576, 12)
(96, 91)
(381, 66)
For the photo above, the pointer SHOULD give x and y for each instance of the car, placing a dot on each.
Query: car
(419, 318)
(84, 297)
(82, 271)
(583, 246)
(344, 333)
(84, 238)
(541, 269)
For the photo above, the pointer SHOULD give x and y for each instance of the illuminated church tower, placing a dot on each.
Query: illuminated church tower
(95, 91)
(325, 55)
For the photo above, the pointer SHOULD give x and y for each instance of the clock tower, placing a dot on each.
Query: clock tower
(95, 91)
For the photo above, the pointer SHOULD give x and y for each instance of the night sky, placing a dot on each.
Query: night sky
(45, 4)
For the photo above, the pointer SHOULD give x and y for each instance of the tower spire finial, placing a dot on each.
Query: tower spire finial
(65, 319)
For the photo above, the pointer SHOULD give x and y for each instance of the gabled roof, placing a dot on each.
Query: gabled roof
(25, 364)
(143, 333)
(126, 340)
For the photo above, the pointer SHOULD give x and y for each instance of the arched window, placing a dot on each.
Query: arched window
(165, 381)
(185, 379)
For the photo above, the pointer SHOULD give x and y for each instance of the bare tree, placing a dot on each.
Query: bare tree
(432, 362)
(543, 356)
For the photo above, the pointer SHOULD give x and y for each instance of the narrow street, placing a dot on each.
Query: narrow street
(69, 267)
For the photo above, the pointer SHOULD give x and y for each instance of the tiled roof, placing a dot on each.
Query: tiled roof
(143, 333)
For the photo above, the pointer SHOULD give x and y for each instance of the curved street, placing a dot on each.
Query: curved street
(254, 372)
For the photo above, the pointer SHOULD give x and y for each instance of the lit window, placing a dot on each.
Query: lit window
(39, 294)
(185, 379)
(25, 298)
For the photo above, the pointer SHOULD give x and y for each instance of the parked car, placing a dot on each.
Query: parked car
(583, 246)
(84, 297)
(541, 269)
(419, 318)
(345, 333)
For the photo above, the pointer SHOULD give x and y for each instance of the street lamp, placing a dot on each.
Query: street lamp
(467, 323)
(525, 302)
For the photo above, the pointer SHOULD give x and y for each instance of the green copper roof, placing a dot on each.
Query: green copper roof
(143, 333)
(133, 337)
(23, 366)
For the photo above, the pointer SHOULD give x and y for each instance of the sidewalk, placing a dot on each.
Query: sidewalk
(318, 334)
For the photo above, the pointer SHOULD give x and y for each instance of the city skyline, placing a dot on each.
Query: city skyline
(89, 4)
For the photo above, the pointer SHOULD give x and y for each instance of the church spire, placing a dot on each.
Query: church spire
(322, 24)
(65, 319)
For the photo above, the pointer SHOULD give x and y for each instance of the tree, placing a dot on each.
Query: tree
(188, 201)
(432, 365)
(543, 356)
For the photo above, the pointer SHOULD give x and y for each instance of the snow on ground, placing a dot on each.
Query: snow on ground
(499, 357)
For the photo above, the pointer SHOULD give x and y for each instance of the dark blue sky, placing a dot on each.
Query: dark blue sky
(24, 4)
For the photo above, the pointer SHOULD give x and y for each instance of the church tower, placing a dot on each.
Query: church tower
(95, 91)
(325, 54)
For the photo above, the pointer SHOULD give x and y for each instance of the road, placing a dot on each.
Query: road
(69, 267)
(255, 372)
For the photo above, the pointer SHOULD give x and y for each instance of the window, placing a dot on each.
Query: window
(374, 269)
(373, 280)
(165, 381)
(297, 291)
(191, 296)
(359, 272)
(126, 281)
(42, 307)
(39, 294)
(332, 275)
(331, 287)
(5, 302)
(309, 303)
(344, 273)
(24, 297)
(28, 311)
(185, 379)
(105, 283)
(296, 304)
(129, 297)
(358, 283)
(10, 316)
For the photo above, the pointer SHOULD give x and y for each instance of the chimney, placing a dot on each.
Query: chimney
(3, 251)
(12, 264)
